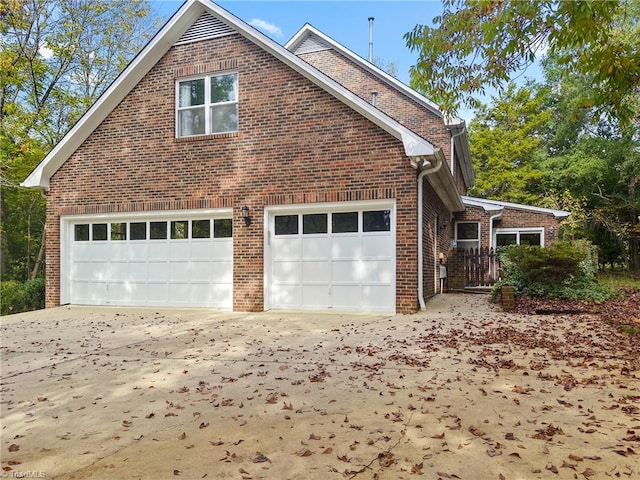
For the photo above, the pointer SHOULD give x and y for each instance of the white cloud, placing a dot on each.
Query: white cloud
(266, 26)
(45, 52)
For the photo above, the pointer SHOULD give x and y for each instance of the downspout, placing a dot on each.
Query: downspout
(421, 175)
(491, 219)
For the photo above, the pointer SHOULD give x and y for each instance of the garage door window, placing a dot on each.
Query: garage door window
(314, 223)
(158, 230)
(222, 228)
(344, 222)
(201, 229)
(179, 230)
(286, 224)
(138, 230)
(99, 231)
(81, 233)
(118, 231)
(376, 221)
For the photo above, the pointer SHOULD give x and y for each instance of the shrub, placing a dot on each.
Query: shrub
(16, 297)
(563, 271)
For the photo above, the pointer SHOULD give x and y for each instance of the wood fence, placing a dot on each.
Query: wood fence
(481, 267)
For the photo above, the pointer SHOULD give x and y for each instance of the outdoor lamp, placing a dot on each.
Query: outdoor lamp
(245, 215)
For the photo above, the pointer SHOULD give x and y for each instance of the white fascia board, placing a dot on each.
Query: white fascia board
(492, 204)
(308, 30)
(113, 95)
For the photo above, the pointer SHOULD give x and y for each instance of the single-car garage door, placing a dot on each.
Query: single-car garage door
(339, 259)
(176, 261)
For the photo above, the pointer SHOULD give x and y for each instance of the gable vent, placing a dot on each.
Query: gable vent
(207, 26)
(311, 44)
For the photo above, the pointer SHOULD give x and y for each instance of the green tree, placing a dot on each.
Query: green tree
(506, 140)
(56, 58)
(480, 44)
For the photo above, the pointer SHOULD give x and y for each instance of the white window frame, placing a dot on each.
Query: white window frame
(208, 105)
(478, 240)
(518, 232)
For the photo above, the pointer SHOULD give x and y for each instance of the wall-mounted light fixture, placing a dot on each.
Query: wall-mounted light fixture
(444, 223)
(245, 215)
(552, 232)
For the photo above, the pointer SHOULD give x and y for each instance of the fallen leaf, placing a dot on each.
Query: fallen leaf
(304, 453)
(476, 431)
(14, 448)
(260, 458)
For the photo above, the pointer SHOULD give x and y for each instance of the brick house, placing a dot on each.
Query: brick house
(224, 170)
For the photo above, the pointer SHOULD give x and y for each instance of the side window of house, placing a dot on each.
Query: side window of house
(207, 105)
(519, 237)
(468, 235)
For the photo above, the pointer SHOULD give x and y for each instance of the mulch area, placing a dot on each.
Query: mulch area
(622, 311)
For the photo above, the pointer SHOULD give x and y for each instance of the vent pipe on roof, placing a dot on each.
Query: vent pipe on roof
(371, 39)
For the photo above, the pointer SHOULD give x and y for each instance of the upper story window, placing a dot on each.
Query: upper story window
(207, 105)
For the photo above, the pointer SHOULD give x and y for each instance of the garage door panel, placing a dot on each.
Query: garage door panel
(138, 271)
(208, 294)
(346, 271)
(316, 247)
(287, 296)
(376, 271)
(158, 293)
(347, 297)
(223, 271)
(221, 249)
(286, 248)
(179, 293)
(180, 271)
(315, 297)
(346, 247)
(159, 271)
(376, 245)
(180, 249)
(286, 271)
(118, 271)
(316, 271)
(159, 250)
(375, 295)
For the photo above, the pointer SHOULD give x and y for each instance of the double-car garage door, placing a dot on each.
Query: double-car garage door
(160, 261)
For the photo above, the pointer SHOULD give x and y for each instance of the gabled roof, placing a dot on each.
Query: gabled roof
(498, 206)
(310, 39)
(175, 31)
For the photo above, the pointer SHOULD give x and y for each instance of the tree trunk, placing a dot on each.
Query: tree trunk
(36, 266)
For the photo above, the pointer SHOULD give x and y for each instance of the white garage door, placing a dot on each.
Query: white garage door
(181, 261)
(339, 260)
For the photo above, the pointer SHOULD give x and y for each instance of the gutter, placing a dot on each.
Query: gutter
(421, 175)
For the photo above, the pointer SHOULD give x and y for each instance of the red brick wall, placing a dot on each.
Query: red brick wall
(295, 142)
(434, 216)
(389, 100)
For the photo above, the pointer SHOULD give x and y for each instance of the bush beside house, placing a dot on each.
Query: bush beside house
(564, 271)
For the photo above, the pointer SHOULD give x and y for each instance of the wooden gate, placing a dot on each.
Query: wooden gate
(481, 267)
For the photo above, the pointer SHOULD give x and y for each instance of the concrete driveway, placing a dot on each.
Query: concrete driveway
(462, 391)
